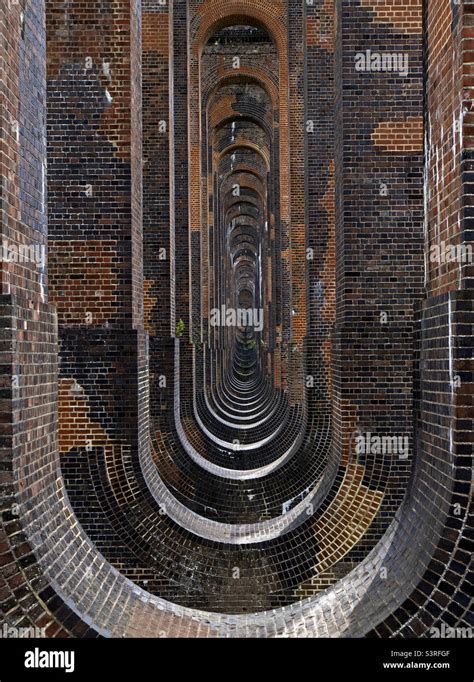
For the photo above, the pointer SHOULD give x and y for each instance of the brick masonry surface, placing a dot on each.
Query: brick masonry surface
(303, 469)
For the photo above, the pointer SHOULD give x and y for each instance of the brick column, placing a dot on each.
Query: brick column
(158, 199)
(379, 233)
(28, 326)
(320, 199)
(95, 209)
(446, 317)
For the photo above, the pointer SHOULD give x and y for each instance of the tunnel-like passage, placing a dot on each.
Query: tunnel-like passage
(236, 392)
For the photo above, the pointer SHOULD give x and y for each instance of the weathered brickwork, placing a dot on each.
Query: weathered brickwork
(444, 340)
(28, 347)
(304, 469)
(156, 168)
(379, 250)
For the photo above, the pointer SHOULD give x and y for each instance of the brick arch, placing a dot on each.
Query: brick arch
(246, 74)
(241, 200)
(245, 117)
(259, 194)
(244, 169)
(240, 142)
(249, 146)
(214, 15)
(245, 145)
(424, 549)
(253, 183)
(245, 199)
(257, 125)
(243, 237)
(246, 224)
(209, 18)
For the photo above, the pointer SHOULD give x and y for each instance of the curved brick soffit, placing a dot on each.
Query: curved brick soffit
(267, 82)
(117, 607)
(108, 598)
(310, 498)
(241, 532)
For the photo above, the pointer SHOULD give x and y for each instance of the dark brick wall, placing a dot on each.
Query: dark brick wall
(94, 157)
(157, 226)
(28, 345)
(24, 235)
(379, 242)
(139, 472)
(320, 52)
(95, 220)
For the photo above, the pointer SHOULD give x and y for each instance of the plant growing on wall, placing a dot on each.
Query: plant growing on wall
(180, 326)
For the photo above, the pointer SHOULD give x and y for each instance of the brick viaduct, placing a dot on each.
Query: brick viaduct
(164, 474)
